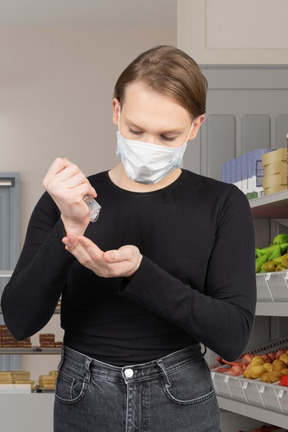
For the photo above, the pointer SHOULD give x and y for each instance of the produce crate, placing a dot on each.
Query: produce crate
(254, 392)
(272, 287)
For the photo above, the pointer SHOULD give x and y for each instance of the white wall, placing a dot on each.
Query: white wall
(56, 87)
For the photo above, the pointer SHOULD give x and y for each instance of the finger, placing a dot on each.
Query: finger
(72, 179)
(73, 246)
(95, 252)
(58, 165)
(125, 253)
(80, 183)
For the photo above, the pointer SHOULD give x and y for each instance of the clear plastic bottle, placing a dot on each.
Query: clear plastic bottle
(94, 208)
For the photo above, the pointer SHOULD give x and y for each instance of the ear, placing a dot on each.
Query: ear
(196, 126)
(116, 108)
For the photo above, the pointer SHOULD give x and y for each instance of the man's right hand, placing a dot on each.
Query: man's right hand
(68, 186)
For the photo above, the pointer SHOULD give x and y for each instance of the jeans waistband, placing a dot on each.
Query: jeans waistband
(133, 372)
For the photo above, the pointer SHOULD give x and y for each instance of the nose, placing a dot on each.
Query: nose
(152, 139)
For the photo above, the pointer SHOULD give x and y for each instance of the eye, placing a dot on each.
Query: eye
(135, 132)
(169, 139)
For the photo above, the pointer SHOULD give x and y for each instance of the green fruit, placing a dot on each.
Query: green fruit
(259, 262)
(269, 266)
(280, 238)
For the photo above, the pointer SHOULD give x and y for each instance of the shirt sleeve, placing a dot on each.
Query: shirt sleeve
(33, 291)
(221, 316)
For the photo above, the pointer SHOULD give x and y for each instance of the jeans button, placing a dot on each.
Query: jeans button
(129, 373)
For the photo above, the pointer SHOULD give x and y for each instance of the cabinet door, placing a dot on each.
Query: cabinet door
(9, 220)
(9, 241)
(247, 108)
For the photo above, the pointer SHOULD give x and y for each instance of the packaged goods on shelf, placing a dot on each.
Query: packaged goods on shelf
(47, 382)
(274, 156)
(275, 168)
(8, 341)
(6, 378)
(16, 381)
(275, 171)
(275, 180)
(47, 340)
(246, 172)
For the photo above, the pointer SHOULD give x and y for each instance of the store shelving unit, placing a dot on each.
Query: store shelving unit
(255, 412)
(250, 398)
(270, 206)
(29, 351)
(35, 406)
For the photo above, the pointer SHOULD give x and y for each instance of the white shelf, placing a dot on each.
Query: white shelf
(6, 273)
(32, 350)
(27, 412)
(272, 309)
(272, 300)
(270, 206)
(252, 411)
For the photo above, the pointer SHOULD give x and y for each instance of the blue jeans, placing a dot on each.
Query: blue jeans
(172, 394)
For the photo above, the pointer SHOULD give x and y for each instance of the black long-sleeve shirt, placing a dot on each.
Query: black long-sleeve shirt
(196, 282)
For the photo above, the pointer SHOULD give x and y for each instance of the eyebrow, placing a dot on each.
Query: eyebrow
(171, 131)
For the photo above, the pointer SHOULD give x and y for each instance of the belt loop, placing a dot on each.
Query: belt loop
(162, 367)
(87, 367)
(62, 357)
(205, 350)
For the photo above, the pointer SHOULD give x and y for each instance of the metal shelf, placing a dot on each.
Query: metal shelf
(272, 309)
(252, 411)
(32, 350)
(6, 273)
(270, 206)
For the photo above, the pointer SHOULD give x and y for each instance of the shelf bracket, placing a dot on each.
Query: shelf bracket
(283, 222)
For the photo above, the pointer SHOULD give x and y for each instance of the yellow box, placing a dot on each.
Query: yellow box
(275, 168)
(274, 189)
(274, 156)
(279, 179)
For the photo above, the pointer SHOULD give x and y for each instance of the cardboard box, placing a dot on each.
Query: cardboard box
(275, 168)
(274, 156)
(255, 170)
(279, 179)
(274, 189)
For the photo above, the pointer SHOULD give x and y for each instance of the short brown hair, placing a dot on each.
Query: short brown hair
(171, 72)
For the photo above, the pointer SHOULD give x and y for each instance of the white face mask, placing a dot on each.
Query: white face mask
(148, 163)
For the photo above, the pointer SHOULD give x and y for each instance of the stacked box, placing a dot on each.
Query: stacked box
(246, 172)
(8, 341)
(47, 340)
(48, 381)
(275, 171)
(255, 170)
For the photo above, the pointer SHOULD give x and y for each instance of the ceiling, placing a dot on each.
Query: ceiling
(162, 13)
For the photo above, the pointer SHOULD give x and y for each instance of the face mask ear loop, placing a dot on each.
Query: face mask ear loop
(189, 132)
(119, 119)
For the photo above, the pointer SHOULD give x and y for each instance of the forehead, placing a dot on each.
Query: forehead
(142, 102)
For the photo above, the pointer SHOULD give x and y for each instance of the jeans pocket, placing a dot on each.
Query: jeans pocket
(70, 389)
(189, 384)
